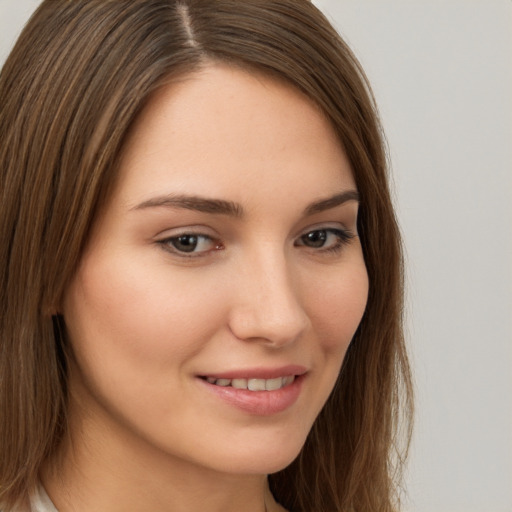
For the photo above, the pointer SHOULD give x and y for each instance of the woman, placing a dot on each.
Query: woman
(200, 267)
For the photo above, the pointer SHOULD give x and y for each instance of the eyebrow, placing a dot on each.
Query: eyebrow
(332, 202)
(197, 203)
(232, 209)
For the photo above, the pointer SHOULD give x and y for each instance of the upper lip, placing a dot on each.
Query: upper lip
(258, 372)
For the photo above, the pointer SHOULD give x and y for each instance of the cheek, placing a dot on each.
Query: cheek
(338, 307)
(136, 314)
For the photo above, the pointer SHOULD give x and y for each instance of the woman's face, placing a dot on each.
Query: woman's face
(226, 259)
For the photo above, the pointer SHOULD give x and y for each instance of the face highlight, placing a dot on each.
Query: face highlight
(224, 280)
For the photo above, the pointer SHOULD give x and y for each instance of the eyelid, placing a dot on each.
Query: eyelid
(331, 229)
(344, 236)
(185, 230)
(164, 240)
(327, 226)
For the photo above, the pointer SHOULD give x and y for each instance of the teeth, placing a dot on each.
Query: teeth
(254, 384)
(288, 380)
(272, 384)
(239, 383)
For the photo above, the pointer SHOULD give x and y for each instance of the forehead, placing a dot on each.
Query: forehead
(227, 131)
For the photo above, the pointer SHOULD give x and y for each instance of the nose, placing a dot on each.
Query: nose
(267, 306)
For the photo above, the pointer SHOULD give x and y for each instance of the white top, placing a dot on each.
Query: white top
(39, 502)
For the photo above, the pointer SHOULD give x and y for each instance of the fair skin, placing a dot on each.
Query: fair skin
(227, 252)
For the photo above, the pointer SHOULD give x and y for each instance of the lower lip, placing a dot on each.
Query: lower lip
(261, 403)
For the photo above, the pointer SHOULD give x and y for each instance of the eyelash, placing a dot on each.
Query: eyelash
(169, 244)
(343, 237)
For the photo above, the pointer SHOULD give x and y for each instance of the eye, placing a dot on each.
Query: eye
(190, 244)
(327, 239)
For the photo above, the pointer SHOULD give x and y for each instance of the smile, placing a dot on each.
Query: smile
(256, 396)
(253, 384)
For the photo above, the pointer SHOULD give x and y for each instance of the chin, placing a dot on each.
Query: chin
(263, 457)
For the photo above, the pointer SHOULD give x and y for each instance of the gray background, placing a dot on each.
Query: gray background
(442, 75)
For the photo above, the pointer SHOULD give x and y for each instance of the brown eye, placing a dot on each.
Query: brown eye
(315, 238)
(190, 244)
(331, 239)
(185, 243)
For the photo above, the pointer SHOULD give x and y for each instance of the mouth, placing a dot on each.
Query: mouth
(273, 384)
(261, 391)
(253, 394)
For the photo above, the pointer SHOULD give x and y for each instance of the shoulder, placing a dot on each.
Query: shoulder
(39, 502)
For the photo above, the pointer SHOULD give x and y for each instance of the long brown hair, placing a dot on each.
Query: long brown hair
(69, 92)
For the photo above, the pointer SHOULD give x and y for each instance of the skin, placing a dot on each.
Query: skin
(146, 319)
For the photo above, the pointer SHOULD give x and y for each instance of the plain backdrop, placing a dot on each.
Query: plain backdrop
(442, 75)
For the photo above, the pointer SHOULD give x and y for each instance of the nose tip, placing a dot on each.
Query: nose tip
(269, 311)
